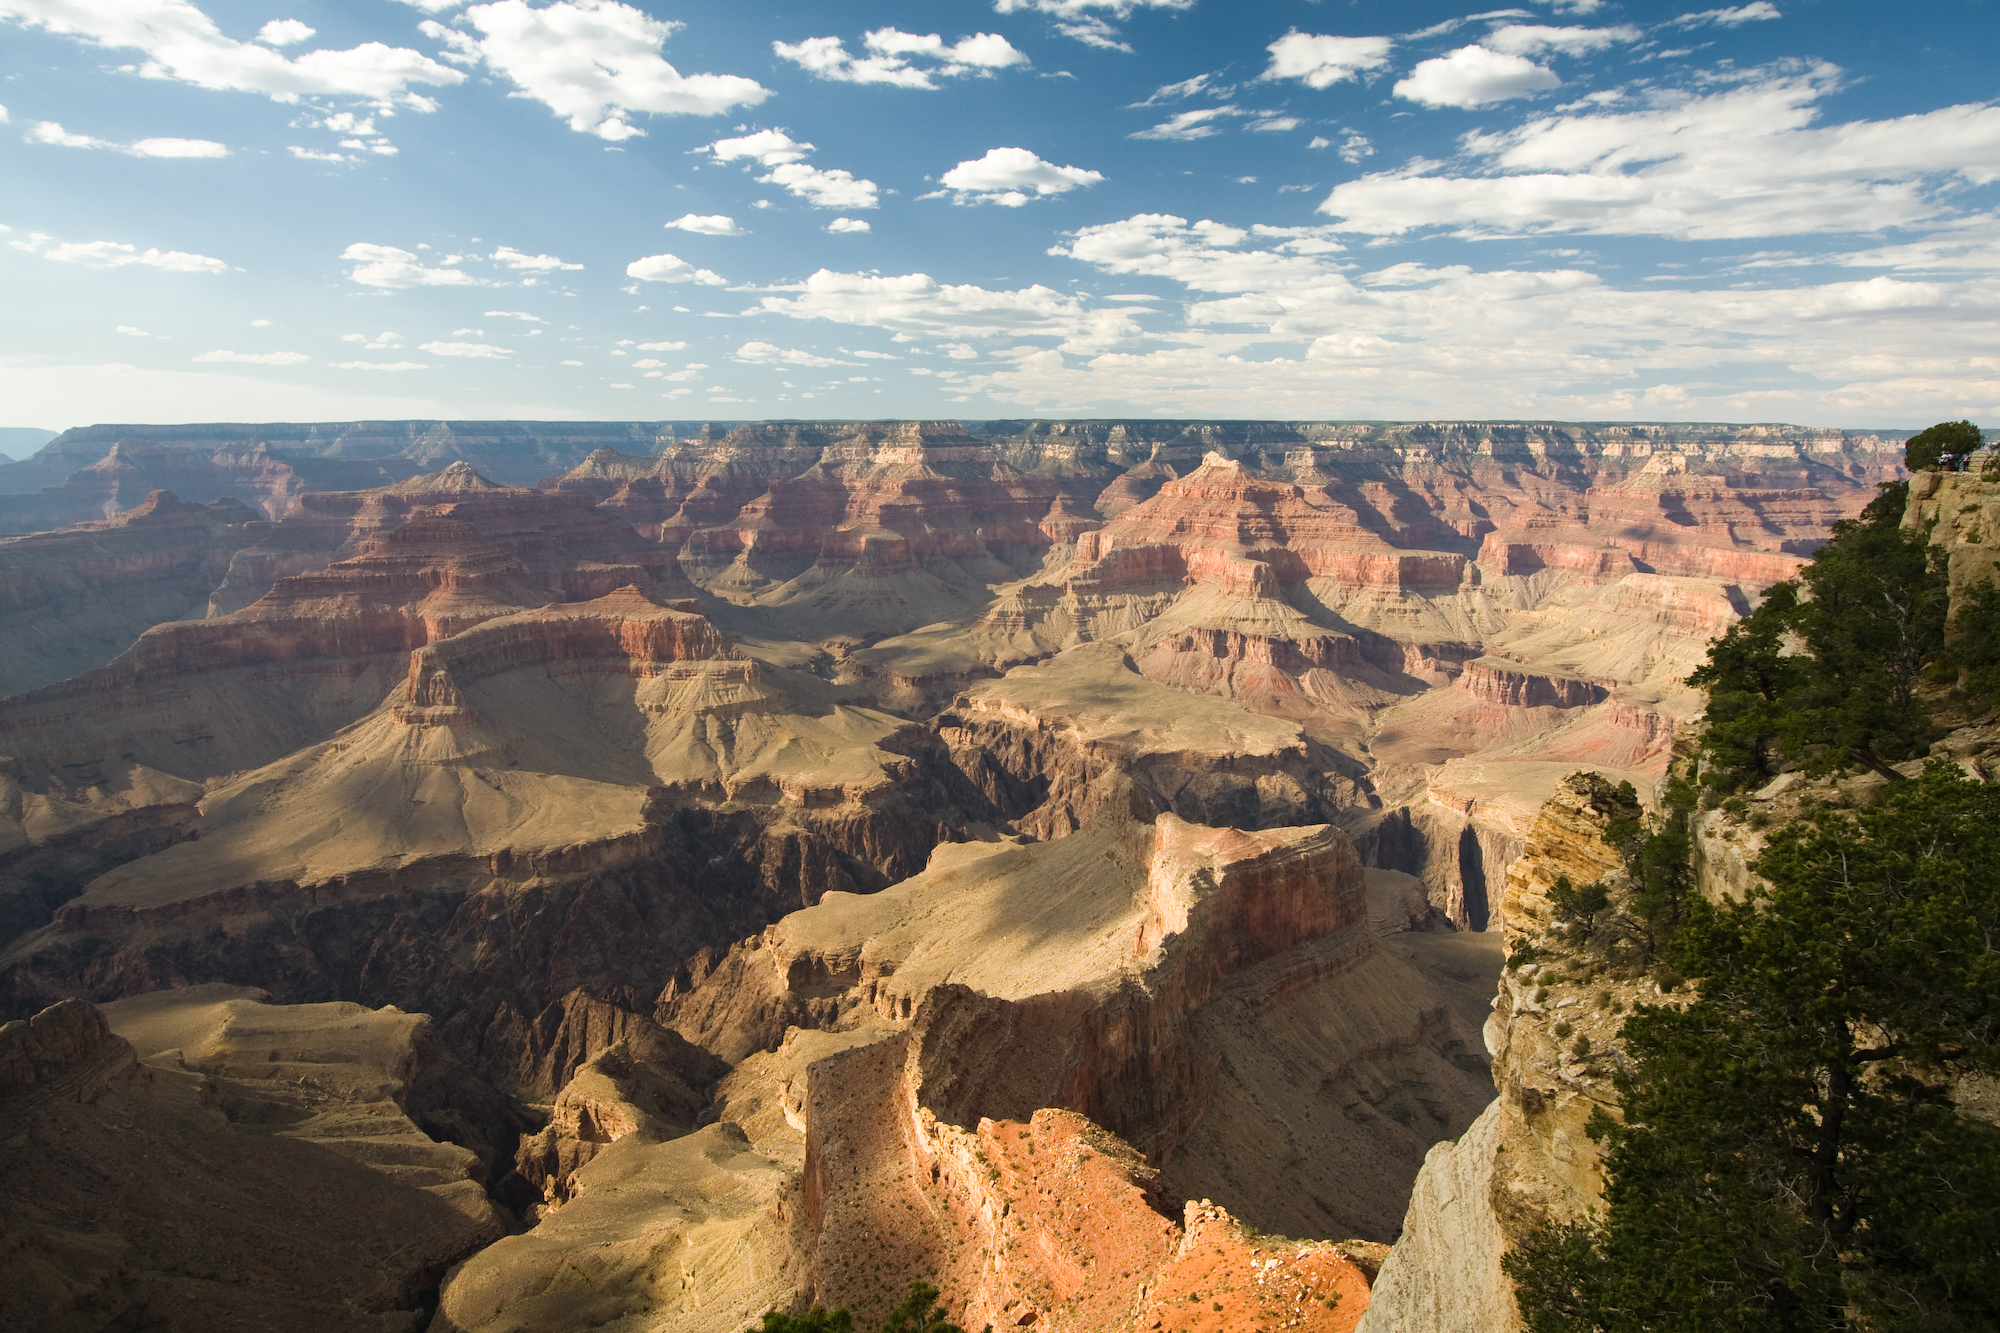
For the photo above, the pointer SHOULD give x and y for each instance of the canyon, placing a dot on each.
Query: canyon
(654, 873)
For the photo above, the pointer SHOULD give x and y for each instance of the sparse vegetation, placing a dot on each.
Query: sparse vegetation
(1790, 1156)
(918, 1312)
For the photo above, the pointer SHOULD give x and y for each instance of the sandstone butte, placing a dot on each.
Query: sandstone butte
(1068, 861)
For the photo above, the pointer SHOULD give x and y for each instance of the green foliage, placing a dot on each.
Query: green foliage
(1579, 907)
(1749, 677)
(920, 1313)
(1974, 649)
(1789, 1157)
(816, 1320)
(1825, 674)
(1944, 446)
(1658, 860)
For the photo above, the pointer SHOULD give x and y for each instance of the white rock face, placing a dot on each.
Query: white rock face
(1444, 1275)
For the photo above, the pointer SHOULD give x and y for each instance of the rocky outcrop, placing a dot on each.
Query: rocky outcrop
(1052, 745)
(75, 599)
(1961, 513)
(163, 1186)
(1526, 1160)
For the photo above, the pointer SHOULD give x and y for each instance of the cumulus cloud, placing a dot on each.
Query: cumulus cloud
(380, 365)
(257, 358)
(1204, 255)
(181, 43)
(117, 254)
(769, 354)
(1747, 161)
(132, 332)
(1474, 76)
(1082, 19)
(593, 62)
(891, 52)
(1321, 61)
(785, 156)
(477, 351)
(1394, 342)
(51, 133)
(707, 224)
(1185, 125)
(847, 225)
(1011, 177)
(672, 268)
(284, 32)
(1525, 39)
(387, 266)
(508, 257)
(663, 347)
(918, 305)
(515, 314)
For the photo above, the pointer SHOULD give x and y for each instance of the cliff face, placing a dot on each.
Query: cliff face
(164, 1185)
(75, 599)
(1526, 1160)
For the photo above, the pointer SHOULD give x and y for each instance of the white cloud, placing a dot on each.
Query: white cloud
(53, 134)
(1205, 255)
(1355, 147)
(1747, 161)
(663, 347)
(672, 268)
(1277, 124)
(260, 323)
(1524, 39)
(917, 304)
(131, 332)
(827, 57)
(1185, 125)
(847, 226)
(785, 157)
(833, 188)
(309, 155)
(1075, 19)
(380, 365)
(515, 314)
(1174, 92)
(116, 254)
(386, 266)
(707, 224)
(478, 351)
(593, 62)
(182, 43)
(376, 343)
(1758, 11)
(284, 32)
(520, 263)
(1011, 177)
(1322, 61)
(258, 358)
(768, 354)
(1473, 76)
(768, 148)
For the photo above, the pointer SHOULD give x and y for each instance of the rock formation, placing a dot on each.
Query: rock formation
(161, 1186)
(775, 862)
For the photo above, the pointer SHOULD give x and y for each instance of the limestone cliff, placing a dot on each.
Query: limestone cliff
(1526, 1159)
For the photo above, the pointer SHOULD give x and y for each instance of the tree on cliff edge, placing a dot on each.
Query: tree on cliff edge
(1790, 1156)
(1825, 674)
(1943, 447)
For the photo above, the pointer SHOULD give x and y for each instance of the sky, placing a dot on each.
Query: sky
(1781, 210)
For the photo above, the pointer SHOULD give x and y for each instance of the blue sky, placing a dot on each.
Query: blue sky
(693, 209)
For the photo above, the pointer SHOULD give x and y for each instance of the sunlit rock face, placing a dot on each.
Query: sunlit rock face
(767, 863)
